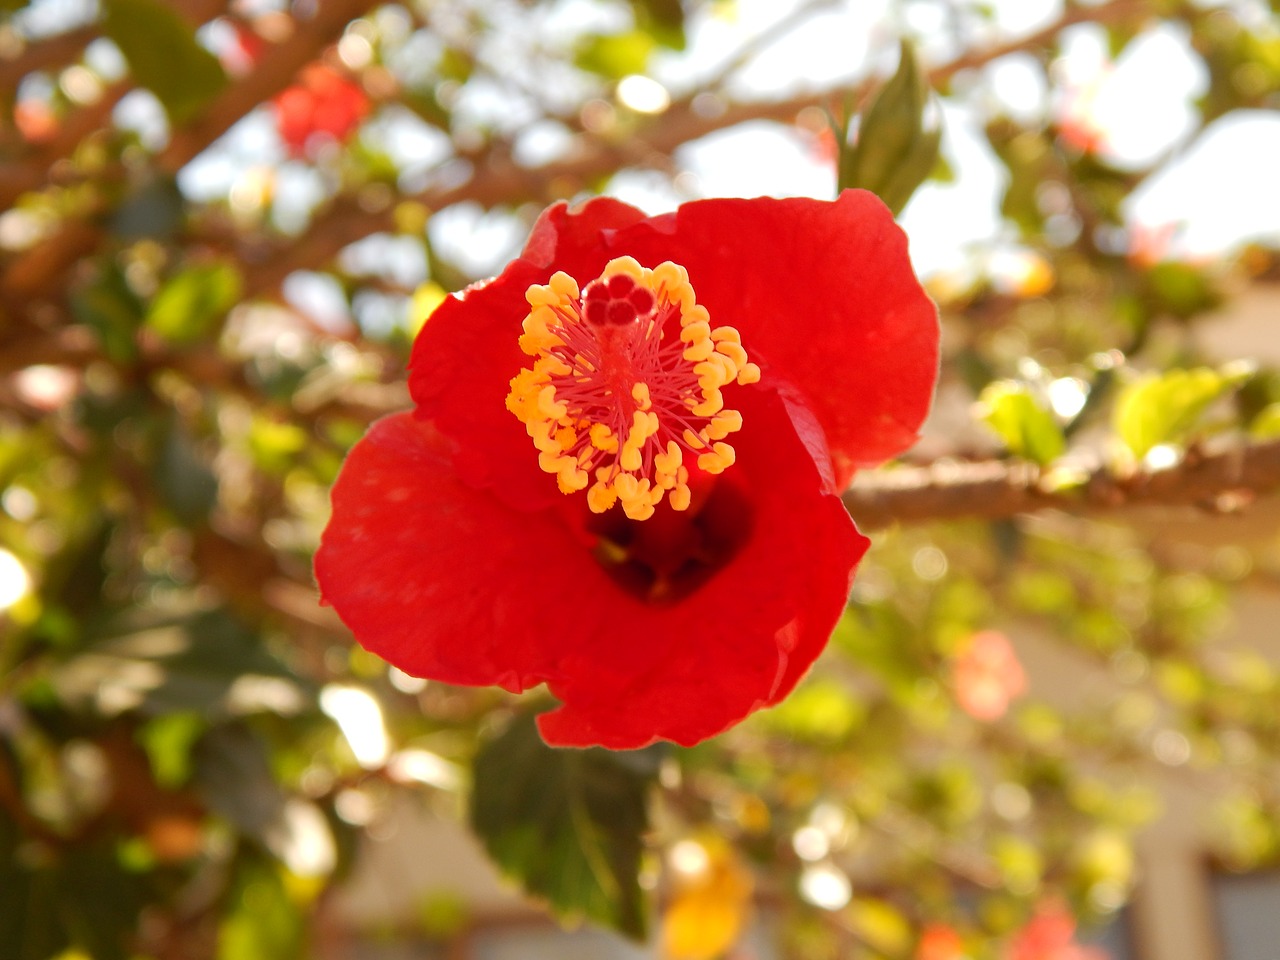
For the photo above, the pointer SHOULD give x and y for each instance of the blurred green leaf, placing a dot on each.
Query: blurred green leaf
(1030, 431)
(112, 310)
(182, 475)
(163, 55)
(204, 662)
(568, 824)
(615, 55)
(155, 210)
(188, 306)
(1266, 425)
(1167, 407)
(663, 20)
(819, 711)
(263, 922)
(1182, 289)
(897, 146)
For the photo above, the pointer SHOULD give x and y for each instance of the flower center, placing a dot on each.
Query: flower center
(611, 403)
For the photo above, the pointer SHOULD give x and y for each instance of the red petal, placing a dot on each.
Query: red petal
(446, 581)
(688, 670)
(825, 293)
(436, 577)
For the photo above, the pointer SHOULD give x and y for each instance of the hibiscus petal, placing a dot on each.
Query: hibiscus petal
(438, 578)
(447, 581)
(826, 294)
(686, 671)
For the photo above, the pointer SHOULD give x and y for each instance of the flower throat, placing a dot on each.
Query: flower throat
(614, 408)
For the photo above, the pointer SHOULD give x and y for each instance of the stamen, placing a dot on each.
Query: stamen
(613, 405)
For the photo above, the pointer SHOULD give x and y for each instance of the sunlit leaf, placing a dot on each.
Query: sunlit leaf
(1029, 430)
(1166, 407)
(615, 55)
(190, 303)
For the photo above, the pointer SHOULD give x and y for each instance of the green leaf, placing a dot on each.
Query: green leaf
(1029, 430)
(567, 824)
(615, 55)
(1167, 407)
(182, 475)
(264, 923)
(163, 55)
(112, 310)
(154, 210)
(896, 150)
(191, 303)
(1266, 425)
(1182, 289)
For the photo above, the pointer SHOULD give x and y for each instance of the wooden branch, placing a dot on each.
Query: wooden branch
(1217, 482)
(498, 181)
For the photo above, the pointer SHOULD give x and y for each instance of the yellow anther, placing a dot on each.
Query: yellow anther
(695, 331)
(695, 314)
(628, 265)
(693, 440)
(680, 497)
(669, 462)
(722, 455)
(710, 406)
(564, 285)
(547, 405)
(540, 296)
(638, 509)
(726, 334)
(553, 461)
(711, 375)
(631, 459)
(601, 497)
(733, 351)
(749, 374)
(552, 366)
(669, 276)
(626, 486)
(724, 423)
(602, 438)
(699, 350)
(566, 437)
(571, 481)
(640, 394)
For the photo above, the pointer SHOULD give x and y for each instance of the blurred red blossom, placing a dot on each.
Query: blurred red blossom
(940, 942)
(324, 103)
(1050, 935)
(987, 675)
(608, 539)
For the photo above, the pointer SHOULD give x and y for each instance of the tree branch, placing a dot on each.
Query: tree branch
(992, 490)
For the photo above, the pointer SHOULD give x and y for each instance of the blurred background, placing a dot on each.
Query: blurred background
(1046, 728)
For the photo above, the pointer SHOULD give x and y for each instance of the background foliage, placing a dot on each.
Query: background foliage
(195, 326)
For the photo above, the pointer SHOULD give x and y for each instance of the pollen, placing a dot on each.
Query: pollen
(624, 396)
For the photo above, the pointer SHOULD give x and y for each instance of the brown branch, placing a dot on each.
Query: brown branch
(501, 182)
(993, 490)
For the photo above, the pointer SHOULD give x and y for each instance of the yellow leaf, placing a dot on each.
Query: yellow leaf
(709, 909)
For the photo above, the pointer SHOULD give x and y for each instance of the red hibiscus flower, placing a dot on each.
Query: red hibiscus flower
(622, 475)
(322, 104)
